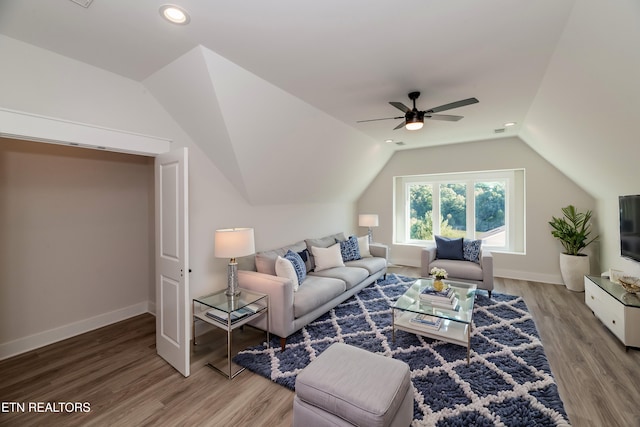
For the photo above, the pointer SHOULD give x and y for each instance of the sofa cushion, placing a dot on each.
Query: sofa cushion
(350, 249)
(352, 276)
(284, 268)
(315, 292)
(298, 265)
(323, 242)
(266, 260)
(448, 248)
(459, 269)
(471, 250)
(325, 258)
(363, 247)
(371, 264)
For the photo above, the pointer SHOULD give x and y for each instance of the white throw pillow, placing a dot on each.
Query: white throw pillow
(363, 243)
(285, 269)
(326, 258)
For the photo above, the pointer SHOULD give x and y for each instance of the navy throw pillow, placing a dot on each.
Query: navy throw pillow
(350, 249)
(298, 265)
(447, 248)
(471, 249)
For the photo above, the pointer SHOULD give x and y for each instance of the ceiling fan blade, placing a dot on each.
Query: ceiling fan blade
(401, 125)
(400, 106)
(446, 117)
(375, 120)
(453, 105)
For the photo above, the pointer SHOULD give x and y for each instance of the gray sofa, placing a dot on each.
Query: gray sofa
(480, 273)
(289, 311)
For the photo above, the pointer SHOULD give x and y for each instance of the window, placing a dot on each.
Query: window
(475, 205)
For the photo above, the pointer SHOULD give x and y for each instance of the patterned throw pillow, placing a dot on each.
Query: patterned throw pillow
(349, 249)
(298, 265)
(471, 249)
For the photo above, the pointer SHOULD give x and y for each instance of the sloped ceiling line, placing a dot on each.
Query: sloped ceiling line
(274, 147)
(185, 89)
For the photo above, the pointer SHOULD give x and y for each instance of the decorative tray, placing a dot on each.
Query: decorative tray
(630, 284)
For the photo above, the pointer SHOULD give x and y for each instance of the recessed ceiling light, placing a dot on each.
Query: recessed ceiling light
(509, 124)
(174, 14)
(388, 140)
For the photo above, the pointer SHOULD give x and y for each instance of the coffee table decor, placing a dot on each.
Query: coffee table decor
(507, 382)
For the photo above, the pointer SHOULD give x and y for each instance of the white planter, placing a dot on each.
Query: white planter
(573, 269)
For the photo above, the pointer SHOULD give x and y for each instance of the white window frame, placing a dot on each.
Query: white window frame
(514, 204)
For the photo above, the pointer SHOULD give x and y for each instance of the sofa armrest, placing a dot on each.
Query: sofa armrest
(427, 255)
(280, 291)
(379, 250)
(486, 262)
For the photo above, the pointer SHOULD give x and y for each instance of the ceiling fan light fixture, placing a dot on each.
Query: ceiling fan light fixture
(414, 124)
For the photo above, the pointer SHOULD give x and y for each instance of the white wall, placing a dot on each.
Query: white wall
(548, 190)
(40, 82)
(584, 118)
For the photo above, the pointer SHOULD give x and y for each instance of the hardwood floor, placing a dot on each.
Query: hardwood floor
(116, 370)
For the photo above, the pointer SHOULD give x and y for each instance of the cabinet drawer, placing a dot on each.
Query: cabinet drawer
(606, 308)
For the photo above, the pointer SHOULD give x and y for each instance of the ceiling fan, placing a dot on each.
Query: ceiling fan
(414, 119)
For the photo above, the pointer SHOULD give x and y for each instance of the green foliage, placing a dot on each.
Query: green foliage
(421, 201)
(572, 230)
(422, 229)
(453, 205)
(489, 205)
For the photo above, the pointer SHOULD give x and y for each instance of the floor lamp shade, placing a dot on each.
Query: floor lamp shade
(233, 243)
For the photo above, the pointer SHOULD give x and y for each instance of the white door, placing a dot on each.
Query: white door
(172, 259)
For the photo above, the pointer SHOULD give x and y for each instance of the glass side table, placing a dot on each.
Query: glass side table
(229, 313)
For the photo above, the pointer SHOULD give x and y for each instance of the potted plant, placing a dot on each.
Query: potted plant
(573, 231)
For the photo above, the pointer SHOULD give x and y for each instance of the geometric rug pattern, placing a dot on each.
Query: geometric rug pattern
(507, 383)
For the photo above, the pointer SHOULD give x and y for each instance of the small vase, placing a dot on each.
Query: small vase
(438, 284)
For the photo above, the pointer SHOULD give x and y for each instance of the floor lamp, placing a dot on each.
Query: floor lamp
(232, 243)
(369, 221)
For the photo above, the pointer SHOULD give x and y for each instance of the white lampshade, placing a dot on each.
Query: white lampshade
(368, 220)
(234, 242)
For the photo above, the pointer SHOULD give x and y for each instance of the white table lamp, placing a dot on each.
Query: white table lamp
(232, 243)
(369, 221)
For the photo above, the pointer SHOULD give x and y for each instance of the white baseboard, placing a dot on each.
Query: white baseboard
(405, 262)
(31, 342)
(554, 279)
(151, 307)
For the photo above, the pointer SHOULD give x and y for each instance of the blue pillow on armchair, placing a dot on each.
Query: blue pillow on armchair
(471, 249)
(447, 248)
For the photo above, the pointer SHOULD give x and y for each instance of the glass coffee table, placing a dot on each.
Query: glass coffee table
(436, 320)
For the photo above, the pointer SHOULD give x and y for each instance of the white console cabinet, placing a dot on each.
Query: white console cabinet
(617, 309)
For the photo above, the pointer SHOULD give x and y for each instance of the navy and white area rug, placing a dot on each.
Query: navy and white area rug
(508, 382)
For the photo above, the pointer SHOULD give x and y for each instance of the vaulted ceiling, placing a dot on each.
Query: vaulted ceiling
(283, 80)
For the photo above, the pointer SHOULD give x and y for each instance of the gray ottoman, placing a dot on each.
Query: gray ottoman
(347, 386)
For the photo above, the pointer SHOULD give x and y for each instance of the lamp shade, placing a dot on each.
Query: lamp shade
(368, 220)
(234, 242)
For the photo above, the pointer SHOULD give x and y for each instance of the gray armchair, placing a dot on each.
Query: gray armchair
(464, 271)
